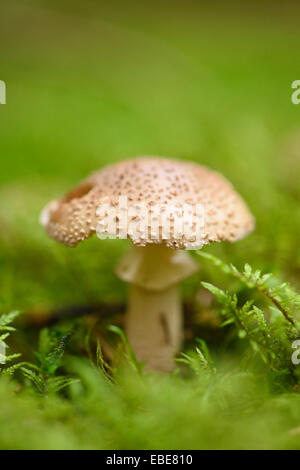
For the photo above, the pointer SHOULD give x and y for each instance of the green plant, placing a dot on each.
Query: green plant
(42, 374)
(5, 329)
(270, 331)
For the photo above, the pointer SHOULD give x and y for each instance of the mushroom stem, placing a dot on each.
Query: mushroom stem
(154, 315)
(154, 326)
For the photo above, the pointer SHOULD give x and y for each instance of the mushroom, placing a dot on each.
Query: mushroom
(165, 207)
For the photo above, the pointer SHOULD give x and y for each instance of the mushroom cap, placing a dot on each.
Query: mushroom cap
(172, 187)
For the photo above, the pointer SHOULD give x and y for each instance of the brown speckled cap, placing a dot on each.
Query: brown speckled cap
(152, 182)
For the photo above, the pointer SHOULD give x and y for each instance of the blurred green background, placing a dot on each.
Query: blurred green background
(91, 83)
